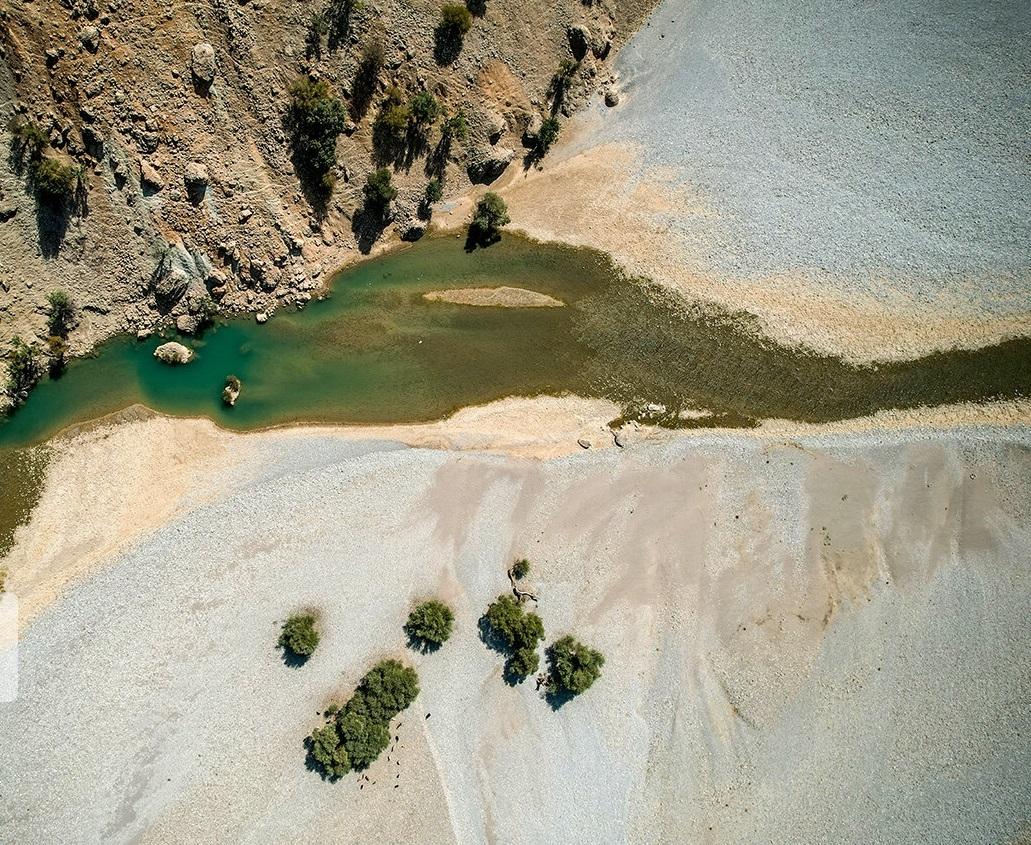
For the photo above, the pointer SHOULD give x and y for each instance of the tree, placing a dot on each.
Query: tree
(379, 192)
(362, 737)
(387, 689)
(434, 191)
(573, 666)
(546, 135)
(57, 354)
(455, 22)
(390, 129)
(328, 752)
(55, 181)
(429, 624)
(520, 633)
(299, 636)
(491, 214)
(424, 108)
(23, 370)
(315, 118)
(61, 312)
(455, 127)
(365, 77)
(521, 568)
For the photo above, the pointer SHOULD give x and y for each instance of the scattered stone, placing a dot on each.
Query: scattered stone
(261, 317)
(583, 444)
(89, 37)
(149, 176)
(7, 211)
(187, 323)
(173, 353)
(196, 179)
(611, 97)
(202, 63)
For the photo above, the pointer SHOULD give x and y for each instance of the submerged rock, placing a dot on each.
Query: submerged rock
(231, 392)
(173, 353)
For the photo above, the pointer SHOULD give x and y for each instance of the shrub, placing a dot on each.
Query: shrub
(563, 78)
(362, 737)
(520, 632)
(521, 568)
(387, 689)
(424, 108)
(430, 623)
(318, 28)
(547, 134)
(573, 666)
(57, 353)
(55, 181)
(314, 118)
(369, 65)
(328, 752)
(434, 191)
(491, 214)
(379, 191)
(390, 129)
(339, 14)
(27, 140)
(299, 636)
(455, 22)
(23, 370)
(61, 312)
(455, 127)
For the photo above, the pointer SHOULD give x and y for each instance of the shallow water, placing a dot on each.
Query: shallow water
(376, 351)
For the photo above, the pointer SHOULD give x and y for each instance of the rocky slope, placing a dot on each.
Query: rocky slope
(176, 113)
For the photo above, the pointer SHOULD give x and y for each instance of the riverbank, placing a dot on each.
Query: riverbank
(852, 177)
(784, 613)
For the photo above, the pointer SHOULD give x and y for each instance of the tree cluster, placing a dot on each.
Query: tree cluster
(359, 732)
(517, 633)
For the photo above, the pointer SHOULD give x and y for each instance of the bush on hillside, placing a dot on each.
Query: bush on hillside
(315, 118)
(379, 192)
(60, 313)
(55, 181)
(455, 22)
(370, 64)
(390, 128)
(23, 370)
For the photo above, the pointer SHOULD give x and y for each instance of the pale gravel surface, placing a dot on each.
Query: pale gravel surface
(820, 639)
(856, 174)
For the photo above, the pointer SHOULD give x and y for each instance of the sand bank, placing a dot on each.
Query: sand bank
(783, 619)
(500, 297)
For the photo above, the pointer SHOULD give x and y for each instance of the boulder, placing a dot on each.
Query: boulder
(261, 317)
(89, 37)
(202, 63)
(579, 40)
(173, 353)
(231, 392)
(170, 287)
(195, 177)
(149, 176)
(611, 97)
(187, 323)
(488, 163)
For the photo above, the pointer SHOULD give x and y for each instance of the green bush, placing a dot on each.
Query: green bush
(424, 108)
(314, 118)
(434, 191)
(379, 191)
(455, 127)
(299, 636)
(430, 623)
(27, 140)
(387, 689)
(491, 214)
(390, 128)
(23, 370)
(357, 734)
(362, 737)
(60, 314)
(518, 631)
(370, 64)
(573, 666)
(55, 181)
(563, 78)
(521, 568)
(455, 22)
(547, 134)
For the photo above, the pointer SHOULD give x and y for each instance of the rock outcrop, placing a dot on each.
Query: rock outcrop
(173, 353)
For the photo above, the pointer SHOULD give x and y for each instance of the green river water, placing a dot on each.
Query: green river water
(376, 351)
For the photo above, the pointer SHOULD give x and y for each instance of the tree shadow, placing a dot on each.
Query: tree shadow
(476, 7)
(558, 698)
(447, 44)
(367, 226)
(51, 225)
(421, 645)
(293, 660)
(477, 238)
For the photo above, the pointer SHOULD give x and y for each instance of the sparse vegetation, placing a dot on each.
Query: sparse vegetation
(491, 214)
(455, 127)
(23, 370)
(27, 140)
(562, 80)
(429, 624)
(455, 21)
(61, 312)
(359, 732)
(573, 667)
(338, 16)
(379, 192)
(299, 636)
(517, 633)
(318, 28)
(3, 579)
(315, 118)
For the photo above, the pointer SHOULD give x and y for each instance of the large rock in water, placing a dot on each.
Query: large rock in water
(173, 353)
(489, 163)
